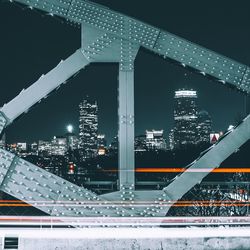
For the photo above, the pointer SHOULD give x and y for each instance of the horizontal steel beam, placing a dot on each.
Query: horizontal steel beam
(206, 62)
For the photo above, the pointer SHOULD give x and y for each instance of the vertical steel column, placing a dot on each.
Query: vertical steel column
(102, 47)
(126, 116)
(126, 129)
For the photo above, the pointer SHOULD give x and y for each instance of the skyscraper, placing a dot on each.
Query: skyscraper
(185, 118)
(88, 129)
(204, 127)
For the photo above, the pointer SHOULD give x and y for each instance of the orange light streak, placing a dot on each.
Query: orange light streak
(192, 170)
(181, 170)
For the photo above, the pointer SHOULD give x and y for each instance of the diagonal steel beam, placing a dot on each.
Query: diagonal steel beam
(206, 163)
(42, 87)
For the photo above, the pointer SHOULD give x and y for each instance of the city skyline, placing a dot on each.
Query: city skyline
(90, 103)
(49, 118)
(185, 108)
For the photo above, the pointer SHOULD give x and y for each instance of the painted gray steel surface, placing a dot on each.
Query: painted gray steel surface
(108, 36)
(163, 43)
(50, 193)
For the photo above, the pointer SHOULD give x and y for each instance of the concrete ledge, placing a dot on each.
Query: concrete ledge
(237, 238)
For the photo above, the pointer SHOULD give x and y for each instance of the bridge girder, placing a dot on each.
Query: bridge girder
(108, 36)
(186, 53)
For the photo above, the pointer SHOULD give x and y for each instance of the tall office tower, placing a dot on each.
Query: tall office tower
(185, 119)
(204, 127)
(155, 140)
(88, 129)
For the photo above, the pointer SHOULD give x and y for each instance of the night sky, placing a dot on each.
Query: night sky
(32, 43)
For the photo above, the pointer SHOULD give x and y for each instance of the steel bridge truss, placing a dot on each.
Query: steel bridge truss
(108, 36)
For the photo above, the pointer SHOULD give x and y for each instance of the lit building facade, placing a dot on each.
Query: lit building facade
(101, 141)
(59, 146)
(44, 148)
(185, 119)
(22, 146)
(140, 143)
(204, 127)
(171, 139)
(101, 145)
(34, 147)
(72, 141)
(155, 140)
(88, 129)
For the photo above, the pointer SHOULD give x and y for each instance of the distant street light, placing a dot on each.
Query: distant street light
(70, 128)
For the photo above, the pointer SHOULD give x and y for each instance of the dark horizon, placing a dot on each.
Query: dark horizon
(31, 47)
